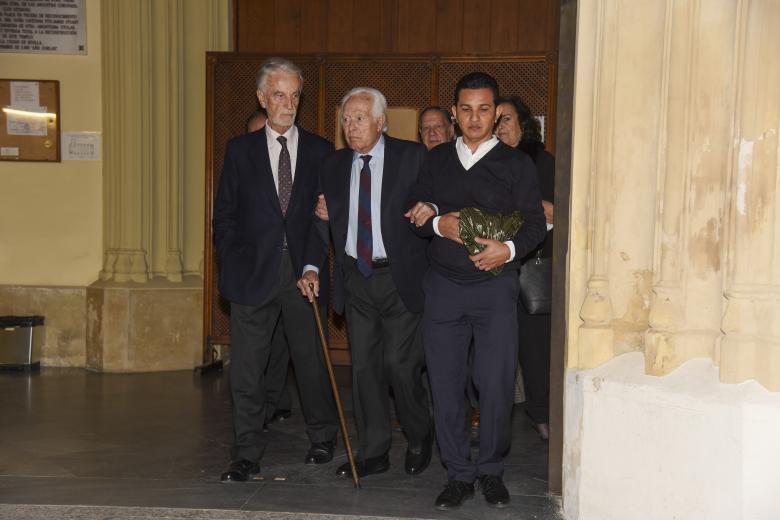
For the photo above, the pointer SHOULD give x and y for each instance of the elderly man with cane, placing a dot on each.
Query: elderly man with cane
(261, 225)
(379, 264)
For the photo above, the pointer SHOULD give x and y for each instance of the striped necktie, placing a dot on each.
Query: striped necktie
(365, 241)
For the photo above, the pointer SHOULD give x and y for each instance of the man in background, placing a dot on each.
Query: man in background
(257, 120)
(435, 126)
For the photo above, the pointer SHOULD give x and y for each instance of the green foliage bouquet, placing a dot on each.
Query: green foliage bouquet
(478, 223)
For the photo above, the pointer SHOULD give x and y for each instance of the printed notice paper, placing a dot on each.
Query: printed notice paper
(81, 146)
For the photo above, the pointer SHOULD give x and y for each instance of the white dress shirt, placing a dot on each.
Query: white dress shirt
(376, 164)
(469, 159)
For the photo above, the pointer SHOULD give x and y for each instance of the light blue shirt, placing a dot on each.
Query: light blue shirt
(376, 164)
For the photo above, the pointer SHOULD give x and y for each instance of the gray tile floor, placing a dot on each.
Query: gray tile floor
(124, 443)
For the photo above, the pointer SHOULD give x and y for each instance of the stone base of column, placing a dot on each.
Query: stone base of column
(595, 345)
(146, 327)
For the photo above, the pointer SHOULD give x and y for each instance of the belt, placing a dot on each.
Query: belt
(377, 263)
(380, 263)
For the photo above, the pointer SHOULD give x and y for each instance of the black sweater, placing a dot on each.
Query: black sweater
(503, 181)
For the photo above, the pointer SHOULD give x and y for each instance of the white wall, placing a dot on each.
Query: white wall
(682, 446)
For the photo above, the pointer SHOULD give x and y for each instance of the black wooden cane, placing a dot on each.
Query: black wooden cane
(335, 388)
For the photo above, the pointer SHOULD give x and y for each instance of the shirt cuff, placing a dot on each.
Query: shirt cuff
(309, 267)
(511, 246)
(434, 206)
(436, 226)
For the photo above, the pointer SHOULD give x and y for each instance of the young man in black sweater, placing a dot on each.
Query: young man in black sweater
(463, 299)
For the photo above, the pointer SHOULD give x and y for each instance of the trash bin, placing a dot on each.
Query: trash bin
(21, 338)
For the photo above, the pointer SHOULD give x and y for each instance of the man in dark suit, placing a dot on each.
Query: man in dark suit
(278, 404)
(263, 213)
(463, 300)
(379, 264)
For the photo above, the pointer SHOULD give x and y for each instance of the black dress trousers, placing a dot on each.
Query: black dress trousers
(454, 314)
(386, 344)
(252, 327)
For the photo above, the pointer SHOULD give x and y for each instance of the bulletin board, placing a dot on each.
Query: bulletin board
(29, 120)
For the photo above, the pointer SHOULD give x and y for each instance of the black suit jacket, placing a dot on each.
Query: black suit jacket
(406, 251)
(248, 223)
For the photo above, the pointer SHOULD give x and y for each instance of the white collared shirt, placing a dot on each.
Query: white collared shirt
(469, 159)
(275, 149)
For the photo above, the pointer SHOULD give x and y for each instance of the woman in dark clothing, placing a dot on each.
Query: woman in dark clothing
(517, 127)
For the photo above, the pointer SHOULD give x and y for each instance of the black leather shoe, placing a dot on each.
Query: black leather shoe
(239, 471)
(418, 458)
(370, 466)
(320, 452)
(454, 494)
(494, 490)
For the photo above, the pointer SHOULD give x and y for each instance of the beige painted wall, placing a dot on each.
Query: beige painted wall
(51, 216)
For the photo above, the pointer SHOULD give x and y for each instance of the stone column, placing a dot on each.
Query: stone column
(127, 137)
(168, 127)
(145, 312)
(621, 169)
(751, 322)
(694, 150)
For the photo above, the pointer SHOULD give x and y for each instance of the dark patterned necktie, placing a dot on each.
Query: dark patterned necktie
(365, 241)
(285, 175)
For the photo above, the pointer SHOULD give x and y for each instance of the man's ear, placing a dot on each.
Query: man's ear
(261, 98)
(380, 122)
(454, 112)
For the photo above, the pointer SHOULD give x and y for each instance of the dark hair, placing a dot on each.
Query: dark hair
(447, 116)
(257, 113)
(531, 142)
(477, 80)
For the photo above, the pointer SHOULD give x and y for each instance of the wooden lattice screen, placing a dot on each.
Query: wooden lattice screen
(406, 80)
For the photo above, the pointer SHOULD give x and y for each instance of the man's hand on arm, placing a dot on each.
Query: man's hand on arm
(494, 255)
(322, 208)
(448, 226)
(309, 277)
(420, 213)
(548, 211)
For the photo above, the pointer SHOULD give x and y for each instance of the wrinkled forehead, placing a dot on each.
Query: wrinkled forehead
(359, 103)
(283, 80)
(434, 117)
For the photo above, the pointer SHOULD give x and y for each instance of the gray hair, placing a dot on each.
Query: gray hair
(272, 65)
(379, 107)
(437, 110)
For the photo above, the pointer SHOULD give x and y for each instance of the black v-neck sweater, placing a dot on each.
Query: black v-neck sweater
(502, 181)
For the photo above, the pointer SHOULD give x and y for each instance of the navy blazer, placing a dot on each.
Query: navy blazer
(248, 223)
(406, 251)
